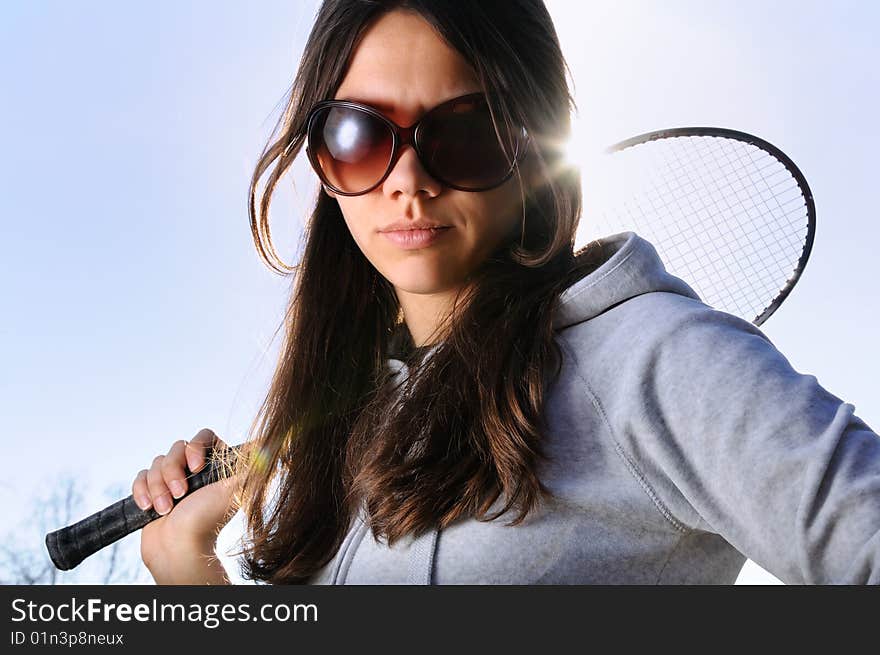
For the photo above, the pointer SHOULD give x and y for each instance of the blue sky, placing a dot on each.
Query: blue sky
(136, 310)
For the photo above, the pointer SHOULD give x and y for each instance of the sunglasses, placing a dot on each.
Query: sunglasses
(353, 147)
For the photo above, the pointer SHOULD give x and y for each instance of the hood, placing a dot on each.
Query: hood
(632, 268)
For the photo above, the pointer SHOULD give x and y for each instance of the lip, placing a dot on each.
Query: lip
(412, 224)
(413, 239)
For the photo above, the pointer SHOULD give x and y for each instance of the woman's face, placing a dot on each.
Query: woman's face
(403, 68)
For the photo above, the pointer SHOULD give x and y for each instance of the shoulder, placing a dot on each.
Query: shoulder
(674, 361)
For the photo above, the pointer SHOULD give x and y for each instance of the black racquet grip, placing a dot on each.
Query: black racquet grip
(71, 545)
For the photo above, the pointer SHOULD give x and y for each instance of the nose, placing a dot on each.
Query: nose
(409, 177)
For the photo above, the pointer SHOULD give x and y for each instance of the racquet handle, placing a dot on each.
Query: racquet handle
(71, 545)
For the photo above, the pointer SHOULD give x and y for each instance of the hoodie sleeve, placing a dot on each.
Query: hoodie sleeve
(736, 442)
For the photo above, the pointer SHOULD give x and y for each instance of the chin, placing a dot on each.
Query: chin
(420, 287)
(421, 284)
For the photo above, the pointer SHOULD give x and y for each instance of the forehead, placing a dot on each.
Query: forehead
(403, 67)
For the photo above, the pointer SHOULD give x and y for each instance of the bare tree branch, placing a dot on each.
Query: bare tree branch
(23, 556)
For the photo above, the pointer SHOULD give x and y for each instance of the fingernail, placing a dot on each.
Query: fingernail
(163, 505)
(142, 501)
(176, 488)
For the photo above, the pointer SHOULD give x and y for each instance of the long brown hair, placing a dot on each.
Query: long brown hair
(335, 430)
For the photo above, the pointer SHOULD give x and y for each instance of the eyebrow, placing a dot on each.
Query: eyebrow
(389, 107)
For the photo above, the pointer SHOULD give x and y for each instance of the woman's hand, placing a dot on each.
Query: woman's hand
(178, 547)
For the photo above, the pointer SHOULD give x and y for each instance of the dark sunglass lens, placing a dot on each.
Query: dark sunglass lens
(459, 143)
(352, 147)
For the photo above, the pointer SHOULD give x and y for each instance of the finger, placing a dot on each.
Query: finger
(159, 492)
(140, 492)
(195, 449)
(173, 471)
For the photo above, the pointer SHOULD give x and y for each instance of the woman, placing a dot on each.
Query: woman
(462, 399)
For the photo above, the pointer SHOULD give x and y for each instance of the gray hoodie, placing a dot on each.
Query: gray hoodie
(680, 442)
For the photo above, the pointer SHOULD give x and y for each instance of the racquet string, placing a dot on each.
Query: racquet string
(726, 216)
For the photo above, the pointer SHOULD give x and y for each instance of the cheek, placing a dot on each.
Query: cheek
(371, 244)
(358, 227)
(499, 215)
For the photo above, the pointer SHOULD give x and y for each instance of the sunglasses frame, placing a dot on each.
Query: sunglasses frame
(402, 136)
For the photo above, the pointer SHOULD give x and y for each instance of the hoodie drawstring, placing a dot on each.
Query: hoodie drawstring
(421, 558)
